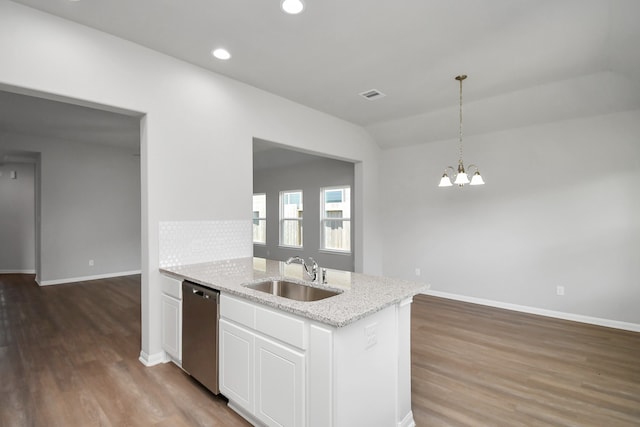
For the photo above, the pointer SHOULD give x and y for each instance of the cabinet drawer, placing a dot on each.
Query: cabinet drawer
(171, 287)
(283, 327)
(237, 310)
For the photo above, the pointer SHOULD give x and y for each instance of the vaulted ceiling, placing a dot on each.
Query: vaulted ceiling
(528, 61)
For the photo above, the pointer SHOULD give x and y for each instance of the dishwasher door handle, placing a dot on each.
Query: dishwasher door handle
(200, 293)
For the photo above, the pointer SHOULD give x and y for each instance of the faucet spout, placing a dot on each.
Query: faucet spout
(311, 269)
(295, 259)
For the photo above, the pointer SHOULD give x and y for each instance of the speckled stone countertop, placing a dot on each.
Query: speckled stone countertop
(362, 295)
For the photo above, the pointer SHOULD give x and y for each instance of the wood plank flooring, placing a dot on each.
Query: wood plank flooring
(479, 366)
(69, 357)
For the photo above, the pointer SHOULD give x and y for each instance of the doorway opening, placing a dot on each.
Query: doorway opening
(83, 166)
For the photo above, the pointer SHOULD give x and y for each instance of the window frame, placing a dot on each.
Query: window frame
(282, 219)
(324, 218)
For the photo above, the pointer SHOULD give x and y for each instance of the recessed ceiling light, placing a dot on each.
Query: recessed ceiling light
(292, 7)
(221, 54)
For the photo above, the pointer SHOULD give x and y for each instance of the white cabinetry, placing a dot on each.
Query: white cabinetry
(236, 364)
(278, 369)
(171, 314)
(172, 327)
(262, 375)
(279, 383)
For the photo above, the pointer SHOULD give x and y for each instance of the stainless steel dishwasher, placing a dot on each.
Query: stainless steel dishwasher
(200, 314)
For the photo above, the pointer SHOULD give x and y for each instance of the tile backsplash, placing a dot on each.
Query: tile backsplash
(192, 242)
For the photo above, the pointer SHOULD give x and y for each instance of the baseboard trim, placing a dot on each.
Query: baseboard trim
(152, 359)
(407, 421)
(243, 413)
(634, 327)
(86, 278)
(17, 272)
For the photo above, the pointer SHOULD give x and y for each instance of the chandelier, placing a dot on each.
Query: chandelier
(460, 177)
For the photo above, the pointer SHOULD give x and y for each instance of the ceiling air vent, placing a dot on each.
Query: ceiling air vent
(372, 94)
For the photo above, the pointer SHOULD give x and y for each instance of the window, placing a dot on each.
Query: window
(335, 218)
(260, 218)
(291, 218)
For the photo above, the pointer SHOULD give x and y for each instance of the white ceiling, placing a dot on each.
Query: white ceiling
(270, 155)
(66, 122)
(528, 61)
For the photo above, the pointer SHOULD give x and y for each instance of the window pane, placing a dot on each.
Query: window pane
(291, 232)
(259, 231)
(333, 196)
(337, 234)
(291, 204)
(337, 200)
(293, 198)
(259, 218)
(259, 205)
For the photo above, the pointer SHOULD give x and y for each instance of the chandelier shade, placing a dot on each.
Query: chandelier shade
(477, 179)
(461, 179)
(445, 181)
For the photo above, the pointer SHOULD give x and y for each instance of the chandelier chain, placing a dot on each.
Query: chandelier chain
(460, 132)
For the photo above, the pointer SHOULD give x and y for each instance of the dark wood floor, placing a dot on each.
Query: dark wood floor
(69, 357)
(480, 366)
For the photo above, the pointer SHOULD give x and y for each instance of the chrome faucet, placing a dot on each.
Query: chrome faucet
(312, 270)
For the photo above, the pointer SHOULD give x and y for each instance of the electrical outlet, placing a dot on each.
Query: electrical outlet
(90, 263)
(418, 271)
(560, 290)
(370, 335)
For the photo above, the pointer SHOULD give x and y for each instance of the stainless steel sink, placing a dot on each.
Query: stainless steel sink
(292, 290)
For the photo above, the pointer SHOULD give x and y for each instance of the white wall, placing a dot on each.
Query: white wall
(196, 136)
(89, 207)
(17, 218)
(559, 208)
(309, 177)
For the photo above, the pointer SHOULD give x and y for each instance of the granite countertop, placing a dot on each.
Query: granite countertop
(362, 295)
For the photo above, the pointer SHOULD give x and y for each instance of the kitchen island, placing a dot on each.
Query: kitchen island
(340, 361)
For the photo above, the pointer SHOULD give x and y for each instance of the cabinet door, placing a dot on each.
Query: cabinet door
(280, 391)
(172, 327)
(236, 364)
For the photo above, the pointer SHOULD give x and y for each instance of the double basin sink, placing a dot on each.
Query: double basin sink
(292, 290)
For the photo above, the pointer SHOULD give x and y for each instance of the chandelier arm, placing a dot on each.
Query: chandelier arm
(472, 166)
